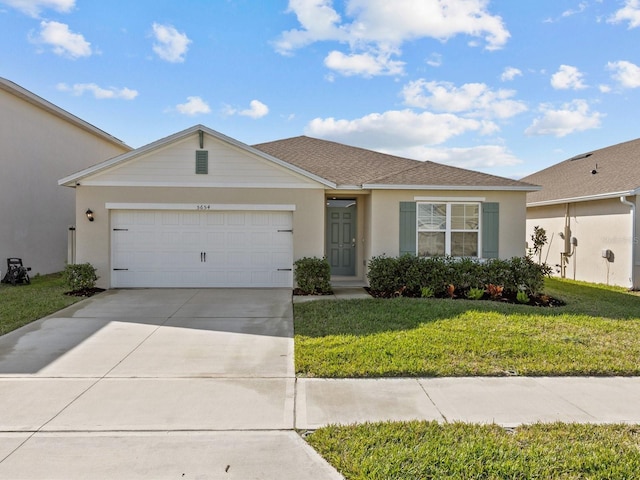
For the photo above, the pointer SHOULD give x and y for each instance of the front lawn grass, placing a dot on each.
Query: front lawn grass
(423, 450)
(23, 304)
(596, 333)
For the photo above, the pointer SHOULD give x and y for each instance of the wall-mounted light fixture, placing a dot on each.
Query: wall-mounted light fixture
(89, 214)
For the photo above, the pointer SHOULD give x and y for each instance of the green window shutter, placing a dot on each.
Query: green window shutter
(490, 229)
(202, 162)
(408, 228)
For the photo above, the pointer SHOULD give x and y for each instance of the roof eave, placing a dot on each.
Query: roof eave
(514, 188)
(586, 198)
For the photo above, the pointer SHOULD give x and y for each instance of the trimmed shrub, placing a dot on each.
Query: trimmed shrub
(313, 276)
(81, 276)
(408, 275)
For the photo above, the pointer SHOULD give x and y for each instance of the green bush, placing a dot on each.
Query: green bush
(384, 274)
(475, 293)
(426, 292)
(409, 274)
(313, 276)
(80, 276)
(522, 297)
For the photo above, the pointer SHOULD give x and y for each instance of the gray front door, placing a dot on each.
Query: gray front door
(341, 236)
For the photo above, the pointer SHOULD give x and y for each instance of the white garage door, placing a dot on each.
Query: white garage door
(165, 248)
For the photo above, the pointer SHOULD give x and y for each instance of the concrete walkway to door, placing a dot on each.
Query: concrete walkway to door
(153, 384)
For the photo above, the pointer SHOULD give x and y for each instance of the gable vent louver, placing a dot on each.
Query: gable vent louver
(202, 162)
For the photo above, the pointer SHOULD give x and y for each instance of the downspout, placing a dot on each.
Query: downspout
(624, 200)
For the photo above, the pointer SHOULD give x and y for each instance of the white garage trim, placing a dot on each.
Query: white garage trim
(199, 206)
(200, 248)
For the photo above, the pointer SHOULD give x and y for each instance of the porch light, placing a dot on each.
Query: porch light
(89, 214)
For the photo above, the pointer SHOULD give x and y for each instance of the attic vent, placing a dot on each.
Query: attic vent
(581, 156)
(202, 162)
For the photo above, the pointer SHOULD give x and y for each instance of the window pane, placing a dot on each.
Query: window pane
(464, 216)
(464, 244)
(432, 216)
(430, 244)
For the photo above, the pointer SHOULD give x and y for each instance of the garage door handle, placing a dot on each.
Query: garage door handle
(205, 257)
(120, 269)
(288, 231)
(284, 269)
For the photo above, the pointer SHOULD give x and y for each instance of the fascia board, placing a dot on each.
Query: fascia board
(586, 198)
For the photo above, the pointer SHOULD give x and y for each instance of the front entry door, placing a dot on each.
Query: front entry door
(341, 236)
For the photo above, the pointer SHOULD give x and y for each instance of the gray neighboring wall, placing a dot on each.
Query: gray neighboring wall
(40, 143)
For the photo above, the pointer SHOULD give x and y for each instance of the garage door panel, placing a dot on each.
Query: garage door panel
(202, 249)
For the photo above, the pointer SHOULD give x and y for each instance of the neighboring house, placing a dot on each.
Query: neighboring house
(199, 209)
(588, 208)
(39, 143)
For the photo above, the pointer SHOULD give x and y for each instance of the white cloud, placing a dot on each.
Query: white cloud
(567, 77)
(625, 73)
(629, 13)
(380, 26)
(193, 106)
(478, 157)
(604, 88)
(396, 129)
(572, 117)
(473, 99)
(397, 22)
(256, 110)
(434, 60)
(34, 7)
(64, 41)
(99, 92)
(510, 73)
(319, 21)
(170, 45)
(581, 8)
(366, 64)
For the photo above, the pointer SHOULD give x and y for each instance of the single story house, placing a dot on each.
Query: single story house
(39, 143)
(200, 209)
(588, 207)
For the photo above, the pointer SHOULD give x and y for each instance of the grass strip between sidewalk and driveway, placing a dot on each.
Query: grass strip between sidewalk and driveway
(23, 304)
(596, 333)
(411, 450)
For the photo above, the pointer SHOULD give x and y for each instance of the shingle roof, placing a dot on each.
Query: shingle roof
(617, 170)
(345, 165)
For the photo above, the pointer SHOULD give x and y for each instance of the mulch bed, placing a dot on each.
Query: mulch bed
(534, 301)
(85, 292)
(297, 291)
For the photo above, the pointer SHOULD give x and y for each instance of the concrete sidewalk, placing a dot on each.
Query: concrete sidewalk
(508, 401)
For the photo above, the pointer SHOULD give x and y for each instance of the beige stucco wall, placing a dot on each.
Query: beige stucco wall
(385, 222)
(597, 225)
(93, 238)
(36, 149)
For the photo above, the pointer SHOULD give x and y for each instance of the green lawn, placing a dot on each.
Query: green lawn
(22, 304)
(596, 333)
(428, 450)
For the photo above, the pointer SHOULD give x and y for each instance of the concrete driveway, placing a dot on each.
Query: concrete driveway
(155, 383)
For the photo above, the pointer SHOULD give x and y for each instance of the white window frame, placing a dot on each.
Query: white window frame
(448, 230)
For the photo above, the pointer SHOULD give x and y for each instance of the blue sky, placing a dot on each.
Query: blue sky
(506, 87)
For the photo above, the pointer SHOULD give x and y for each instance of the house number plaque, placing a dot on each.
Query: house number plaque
(203, 207)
